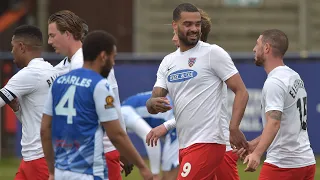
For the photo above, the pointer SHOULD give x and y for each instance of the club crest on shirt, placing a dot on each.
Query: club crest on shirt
(191, 61)
(109, 102)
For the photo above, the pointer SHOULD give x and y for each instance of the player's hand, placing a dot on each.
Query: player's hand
(14, 104)
(160, 104)
(126, 166)
(146, 173)
(51, 177)
(242, 152)
(253, 161)
(237, 139)
(156, 177)
(155, 134)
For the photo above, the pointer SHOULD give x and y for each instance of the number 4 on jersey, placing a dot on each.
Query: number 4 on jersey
(69, 110)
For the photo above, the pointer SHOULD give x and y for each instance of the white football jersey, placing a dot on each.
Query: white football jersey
(194, 80)
(284, 91)
(76, 62)
(225, 116)
(31, 85)
(108, 146)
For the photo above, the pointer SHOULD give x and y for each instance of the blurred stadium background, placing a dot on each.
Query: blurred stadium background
(144, 34)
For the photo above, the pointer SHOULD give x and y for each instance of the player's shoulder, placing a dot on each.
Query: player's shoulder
(170, 56)
(216, 49)
(80, 77)
(282, 75)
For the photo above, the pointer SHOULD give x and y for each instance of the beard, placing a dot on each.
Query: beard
(106, 68)
(259, 61)
(184, 38)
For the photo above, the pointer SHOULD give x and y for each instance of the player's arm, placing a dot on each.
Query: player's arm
(274, 98)
(6, 97)
(224, 68)
(158, 101)
(22, 83)
(108, 117)
(156, 133)
(242, 153)
(270, 131)
(138, 125)
(236, 84)
(45, 132)
(274, 103)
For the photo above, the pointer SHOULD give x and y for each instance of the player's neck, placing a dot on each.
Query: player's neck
(74, 48)
(31, 56)
(273, 63)
(184, 48)
(92, 65)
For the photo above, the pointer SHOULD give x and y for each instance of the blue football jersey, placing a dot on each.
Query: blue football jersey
(81, 100)
(138, 102)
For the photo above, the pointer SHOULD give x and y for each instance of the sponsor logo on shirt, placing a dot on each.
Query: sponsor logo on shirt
(182, 75)
(109, 102)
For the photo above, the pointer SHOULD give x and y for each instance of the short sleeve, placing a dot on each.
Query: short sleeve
(161, 75)
(23, 82)
(104, 101)
(48, 105)
(274, 95)
(221, 63)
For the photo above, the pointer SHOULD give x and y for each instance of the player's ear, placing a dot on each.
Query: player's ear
(22, 47)
(175, 26)
(68, 34)
(103, 56)
(267, 48)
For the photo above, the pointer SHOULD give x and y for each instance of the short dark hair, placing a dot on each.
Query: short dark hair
(278, 41)
(184, 7)
(31, 35)
(68, 21)
(96, 42)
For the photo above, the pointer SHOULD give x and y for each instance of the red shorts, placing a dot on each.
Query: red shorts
(272, 172)
(113, 164)
(228, 168)
(33, 170)
(200, 161)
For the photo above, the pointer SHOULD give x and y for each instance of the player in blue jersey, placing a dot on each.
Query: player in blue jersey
(79, 107)
(140, 121)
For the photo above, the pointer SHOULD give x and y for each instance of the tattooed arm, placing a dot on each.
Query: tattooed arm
(158, 102)
(269, 132)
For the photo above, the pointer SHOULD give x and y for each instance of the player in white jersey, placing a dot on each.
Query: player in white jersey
(193, 76)
(76, 111)
(66, 30)
(30, 86)
(228, 168)
(284, 116)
